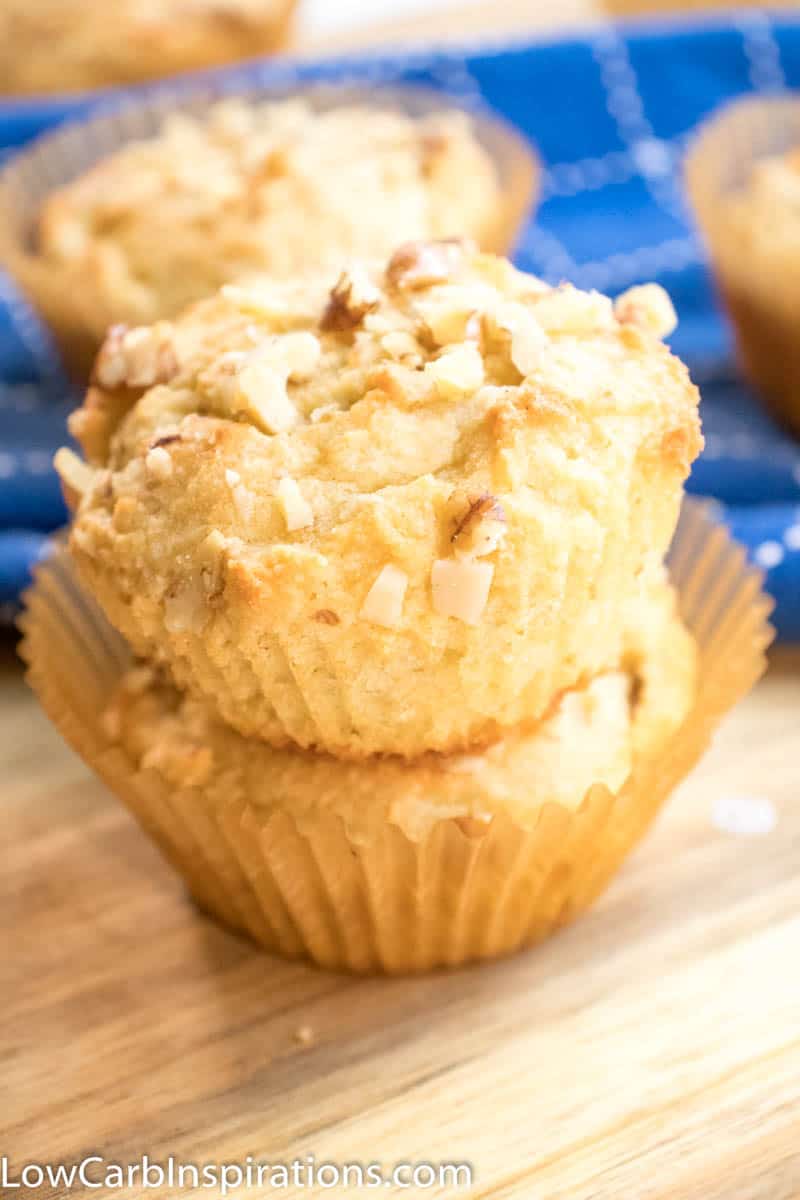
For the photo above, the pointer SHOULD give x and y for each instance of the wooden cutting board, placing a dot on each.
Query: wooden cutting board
(651, 1052)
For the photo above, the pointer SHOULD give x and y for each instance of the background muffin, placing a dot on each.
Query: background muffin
(68, 45)
(246, 187)
(744, 180)
(395, 515)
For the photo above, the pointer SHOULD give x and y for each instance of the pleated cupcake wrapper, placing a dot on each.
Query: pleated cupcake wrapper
(384, 901)
(763, 305)
(60, 157)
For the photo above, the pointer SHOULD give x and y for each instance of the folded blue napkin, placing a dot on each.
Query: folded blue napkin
(611, 114)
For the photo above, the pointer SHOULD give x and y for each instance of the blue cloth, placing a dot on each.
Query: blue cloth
(611, 114)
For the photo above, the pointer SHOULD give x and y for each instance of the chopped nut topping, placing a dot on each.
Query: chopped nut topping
(260, 300)
(481, 529)
(136, 358)
(527, 338)
(323, 413)
(565, 309)
(649, 308)
(458, 370)
(461, 588)
(158, 463)
(421, 264)
(297, 511)
(299, 351)
(261, 396)
(255, 384)
(445, 326)
(402, 347)
(244, 500)
(212, 559)
(185, 608)
(451, 314)
(384, 600)
(326, 616)
(229, 364)
(351, 298)
(165, 439)
(75, 474)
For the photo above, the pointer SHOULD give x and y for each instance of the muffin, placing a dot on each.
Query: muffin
(64, 46)
(256, 817)
(392, 865)
(191, 200)
(744, 180)
(394, 513)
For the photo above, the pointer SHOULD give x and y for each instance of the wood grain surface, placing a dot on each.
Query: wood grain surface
(650, 1052)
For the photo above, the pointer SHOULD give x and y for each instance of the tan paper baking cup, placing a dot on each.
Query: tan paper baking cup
(759, 282)
(60, 157)
(385, 901)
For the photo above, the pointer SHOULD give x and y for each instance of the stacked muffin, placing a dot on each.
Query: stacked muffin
(390, 547)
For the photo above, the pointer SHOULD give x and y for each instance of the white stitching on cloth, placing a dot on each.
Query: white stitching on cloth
(653, 156)
(545, 255)
(762, 51)
(618, 270)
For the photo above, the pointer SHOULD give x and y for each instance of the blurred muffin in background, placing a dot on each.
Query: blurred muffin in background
(49, 46)
(744, 180)
(244, 188)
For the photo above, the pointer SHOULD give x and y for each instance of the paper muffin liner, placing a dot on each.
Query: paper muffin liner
(463, 890)
(762, 302)
(58, 158)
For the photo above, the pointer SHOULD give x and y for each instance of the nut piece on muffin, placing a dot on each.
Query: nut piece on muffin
(248, 188)
(68, 45)
(396, 511)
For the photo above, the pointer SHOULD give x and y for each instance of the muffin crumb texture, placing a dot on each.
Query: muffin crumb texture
(349, 497)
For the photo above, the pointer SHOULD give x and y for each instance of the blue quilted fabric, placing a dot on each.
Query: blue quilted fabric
(611, 114)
